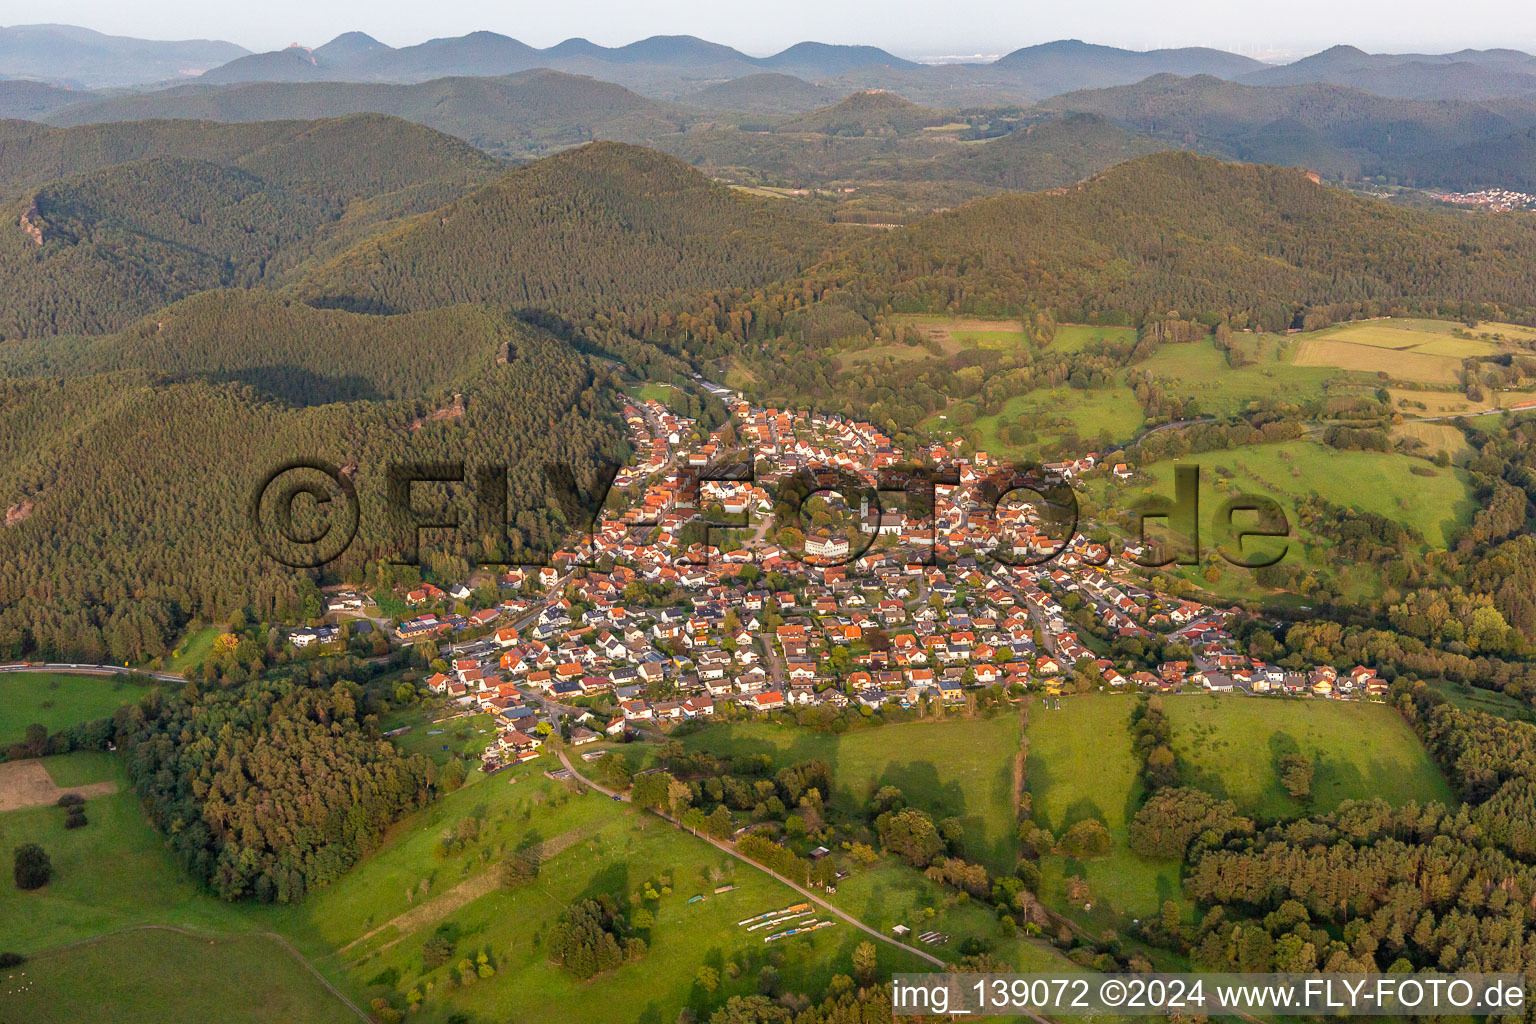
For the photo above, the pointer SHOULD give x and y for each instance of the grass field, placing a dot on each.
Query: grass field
(1427, 351)
(593, 845)
(1200, 371)
(1112, 412)
(192, 649)
(887, 893)
(1492, 702)
(462, 737)
(1076, 337)
(115, 873)
(57, 700)
(171, 977)
(1081, 765)
(952, 767)
(112, 873)
(1366, 481)
(1229, 746)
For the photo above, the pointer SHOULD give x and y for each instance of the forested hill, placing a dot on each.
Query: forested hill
(340, 157)
(522, 115)
(871, 112)
(127, 494)
(166, 209)
(1328, 128)
(285, 349)
(1166, 233)
(603, 229)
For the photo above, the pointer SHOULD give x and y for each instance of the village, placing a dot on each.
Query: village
(879, 610)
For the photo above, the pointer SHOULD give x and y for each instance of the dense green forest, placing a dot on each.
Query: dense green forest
(335, 159)
(270, 789)
(130, 490)
(141, 224)
(600, 231)
(285, 349)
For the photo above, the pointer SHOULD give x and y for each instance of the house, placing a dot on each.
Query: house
(581, 736)
(773, 700)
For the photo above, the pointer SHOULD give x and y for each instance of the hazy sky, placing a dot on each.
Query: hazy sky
(907, 27)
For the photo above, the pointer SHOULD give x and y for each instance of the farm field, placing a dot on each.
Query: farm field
(951, 767)
(1427, 351)
(1409, 401)
(1229, 746)
(1081, 765)
(1377, 482)
(57, 700)
(1424, 367)
(1200, 371)
(1436, 437)
(166, 976)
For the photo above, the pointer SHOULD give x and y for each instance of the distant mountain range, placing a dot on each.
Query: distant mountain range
(78, 57)
(677, 67)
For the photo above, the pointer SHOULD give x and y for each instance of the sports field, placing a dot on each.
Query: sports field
(1230, 746)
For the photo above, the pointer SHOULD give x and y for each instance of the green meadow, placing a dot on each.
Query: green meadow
(57, 700)
(158, 975)
(1081, 765)
(954, 767)
(1231, 747)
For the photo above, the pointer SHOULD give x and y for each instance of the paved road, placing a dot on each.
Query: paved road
(98, 670)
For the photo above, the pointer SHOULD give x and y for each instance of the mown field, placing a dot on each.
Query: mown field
(1231, 746)
(1424, 351)
(57, 700)
(155, 975)
(960, 768)
(1081, 765)
(1378, 482)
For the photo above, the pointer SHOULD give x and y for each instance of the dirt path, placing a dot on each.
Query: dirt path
(725, 847)
(463, 894)
(28, 784)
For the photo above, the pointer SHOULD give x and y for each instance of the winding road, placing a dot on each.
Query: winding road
(94, 670)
